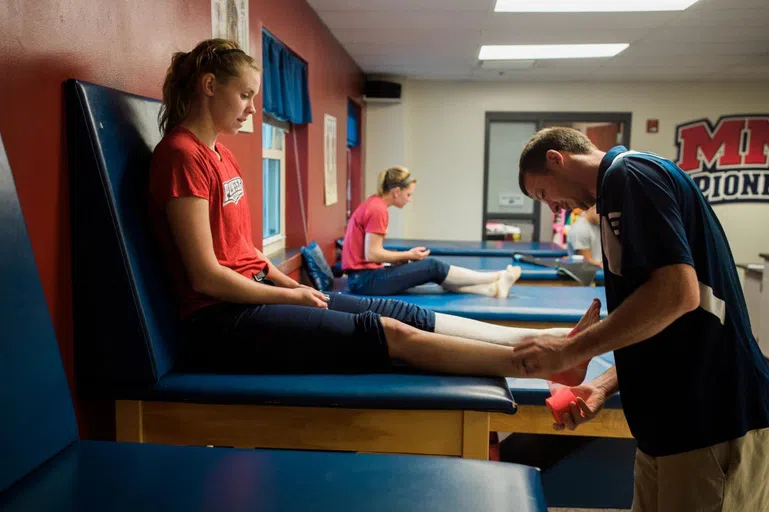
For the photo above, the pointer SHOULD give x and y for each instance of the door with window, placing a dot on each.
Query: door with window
(508, 214)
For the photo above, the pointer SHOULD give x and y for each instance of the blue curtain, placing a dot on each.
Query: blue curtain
(286, 92)
(353, 124)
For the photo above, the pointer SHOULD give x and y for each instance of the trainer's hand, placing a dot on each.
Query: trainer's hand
(542, 355)
(305, 296)
(418, 253)
(590, 400)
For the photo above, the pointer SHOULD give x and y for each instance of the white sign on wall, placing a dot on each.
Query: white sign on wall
(329, 150)
(229, 20)
(510, 199)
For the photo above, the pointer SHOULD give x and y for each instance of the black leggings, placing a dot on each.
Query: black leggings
(397, 278)
(346, 338)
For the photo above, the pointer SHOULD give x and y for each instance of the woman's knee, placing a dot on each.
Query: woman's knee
(397, 332)
(438, 269)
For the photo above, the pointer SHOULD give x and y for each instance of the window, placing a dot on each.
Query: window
(274, 188)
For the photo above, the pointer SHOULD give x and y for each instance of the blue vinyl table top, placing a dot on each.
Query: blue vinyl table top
(94, 476)
(475, 248)
(557, 304)
(530, 272)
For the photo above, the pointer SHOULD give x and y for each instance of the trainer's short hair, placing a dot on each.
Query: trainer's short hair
(559, 139)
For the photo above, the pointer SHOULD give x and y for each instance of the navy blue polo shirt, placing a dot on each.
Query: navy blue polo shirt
(702, 380)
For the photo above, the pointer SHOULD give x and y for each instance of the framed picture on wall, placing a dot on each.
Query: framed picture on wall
(329, 154)
(229, 20)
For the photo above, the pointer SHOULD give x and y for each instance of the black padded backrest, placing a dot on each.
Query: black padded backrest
(126, 316)
(38, 420)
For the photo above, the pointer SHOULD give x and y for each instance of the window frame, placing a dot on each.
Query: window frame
(277, 242)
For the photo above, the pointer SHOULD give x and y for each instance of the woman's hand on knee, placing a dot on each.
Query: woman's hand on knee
(305, 296)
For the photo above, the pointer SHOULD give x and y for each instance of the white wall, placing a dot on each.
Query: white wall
(438, 132)
(385, 132)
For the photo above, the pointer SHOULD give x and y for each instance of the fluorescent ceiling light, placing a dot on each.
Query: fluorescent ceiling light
(549, 51)
(591, 5)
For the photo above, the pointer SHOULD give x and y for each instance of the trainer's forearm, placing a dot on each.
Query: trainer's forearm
(669, 293)
(607, 381)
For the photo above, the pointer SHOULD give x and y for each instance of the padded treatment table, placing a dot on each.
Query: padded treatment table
(102, 477)
(129, 338)
(479, 248)
(526, 306)
(45, 467)
(533, 307)
(533, 417)
(531, 274)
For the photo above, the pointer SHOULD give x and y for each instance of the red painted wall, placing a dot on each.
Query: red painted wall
(333, 78)
(128, 45)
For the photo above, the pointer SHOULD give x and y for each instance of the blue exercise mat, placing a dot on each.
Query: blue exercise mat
(561, 304)
(530, 272)
(475, 248)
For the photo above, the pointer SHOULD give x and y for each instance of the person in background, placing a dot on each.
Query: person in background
(584, 237)
(364, 257)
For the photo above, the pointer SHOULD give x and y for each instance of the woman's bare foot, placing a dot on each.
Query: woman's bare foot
(591, 316)
(575, 376)
(515, 272)
(503, 284)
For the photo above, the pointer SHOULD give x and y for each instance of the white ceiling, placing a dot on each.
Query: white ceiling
(714, 40)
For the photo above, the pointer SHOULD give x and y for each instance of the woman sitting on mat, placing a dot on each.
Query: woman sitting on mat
(364, 255)
(242, 314)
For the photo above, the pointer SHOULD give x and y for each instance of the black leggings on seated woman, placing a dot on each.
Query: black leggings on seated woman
(275, 338)
(397, 278)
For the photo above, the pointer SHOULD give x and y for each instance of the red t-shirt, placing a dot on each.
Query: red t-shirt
(182, 166)
(370, 217)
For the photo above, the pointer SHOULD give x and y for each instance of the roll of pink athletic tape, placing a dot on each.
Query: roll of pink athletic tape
(559, 403)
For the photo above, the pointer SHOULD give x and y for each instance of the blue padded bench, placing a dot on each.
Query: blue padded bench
(526, 306)
(127, 336)
(45, 467)
(531, 274)
(534, 307)
(468, 248)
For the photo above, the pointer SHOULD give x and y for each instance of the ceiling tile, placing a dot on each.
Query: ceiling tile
(720, 18)
(403, 36)
(650, 47)
(446, 20)
(719, 35)
(673, 61)
(712, 40)
(576, 35)
(399, 5)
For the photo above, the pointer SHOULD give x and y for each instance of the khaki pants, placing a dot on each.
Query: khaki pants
(727, 477)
